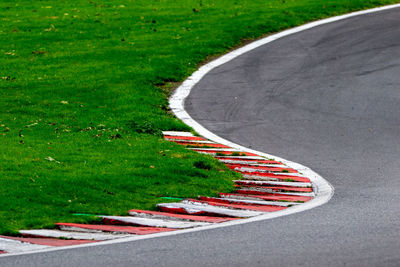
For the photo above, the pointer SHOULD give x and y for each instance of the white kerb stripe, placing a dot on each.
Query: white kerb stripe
(156, 222)
(266, 183)
(15, 246)
(72, 235)
(175, 133)
(258, 202)
(193, 207)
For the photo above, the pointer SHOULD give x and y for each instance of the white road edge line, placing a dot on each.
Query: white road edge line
(323, 189)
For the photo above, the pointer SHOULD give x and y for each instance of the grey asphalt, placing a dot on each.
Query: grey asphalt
(328, 98)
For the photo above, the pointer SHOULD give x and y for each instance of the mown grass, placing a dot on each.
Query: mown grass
(82, 100)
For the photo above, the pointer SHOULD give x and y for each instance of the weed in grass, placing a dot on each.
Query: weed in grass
(202, 165)
(145, 127)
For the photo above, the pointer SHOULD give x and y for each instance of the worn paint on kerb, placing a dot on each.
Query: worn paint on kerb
(323, 189)
(70, 234)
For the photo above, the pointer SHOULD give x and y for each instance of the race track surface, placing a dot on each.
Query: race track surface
(328, 98)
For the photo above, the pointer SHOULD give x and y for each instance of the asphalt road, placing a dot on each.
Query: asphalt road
(328, 98)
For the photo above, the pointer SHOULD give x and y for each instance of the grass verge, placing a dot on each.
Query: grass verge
(83, 99)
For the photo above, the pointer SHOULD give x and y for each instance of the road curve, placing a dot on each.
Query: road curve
(328, 98)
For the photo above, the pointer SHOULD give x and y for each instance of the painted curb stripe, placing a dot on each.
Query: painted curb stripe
(14, 246)
(241, 206)
(193, 138)
(157, 214)
(266, 183)
(69, 234)
(193, 144)
(176, 133)
(241, 157)
(261, 169)
(184, 211)
(190, 207)
(255, 166)
(279, 174)
(277, 188)
(247, 202)
(267, 197)
(250, 164)
(273, 176)
(255, 191)
(224, 151)
(248, 161)
(52, 242)
(152, 222)
(112, 228)
(191, 141)
(216, 150)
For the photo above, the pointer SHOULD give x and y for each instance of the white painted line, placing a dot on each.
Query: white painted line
(72, 235)
(156, 222)
(323, 189)
(15, 246)
(258, 201)
(193, 207)
(296, 184)
(176, 133)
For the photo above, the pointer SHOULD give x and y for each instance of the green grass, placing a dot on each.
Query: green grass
(83, 98)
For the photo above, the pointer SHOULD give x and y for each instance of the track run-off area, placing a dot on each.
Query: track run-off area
(326, 97)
